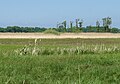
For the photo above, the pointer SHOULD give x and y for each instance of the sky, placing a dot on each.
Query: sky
(46, 13)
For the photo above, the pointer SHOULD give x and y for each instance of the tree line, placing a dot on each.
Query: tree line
(78, 27)
(62, 27)
(22, 29)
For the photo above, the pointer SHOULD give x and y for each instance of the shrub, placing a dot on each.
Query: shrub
(51, 31)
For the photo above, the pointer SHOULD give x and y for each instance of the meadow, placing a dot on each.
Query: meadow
(60, 61)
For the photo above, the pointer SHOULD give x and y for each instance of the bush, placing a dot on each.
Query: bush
(51, 31)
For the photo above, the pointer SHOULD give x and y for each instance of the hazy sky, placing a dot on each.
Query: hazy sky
(46, 13)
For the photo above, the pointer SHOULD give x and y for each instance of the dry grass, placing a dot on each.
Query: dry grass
(63, 35)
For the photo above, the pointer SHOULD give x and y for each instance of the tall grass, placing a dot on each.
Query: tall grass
(77, 69)
(60, 61)
(83, 49)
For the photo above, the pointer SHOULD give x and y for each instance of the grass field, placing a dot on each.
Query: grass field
(60, 61)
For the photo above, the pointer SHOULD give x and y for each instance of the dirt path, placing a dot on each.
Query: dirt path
(64, 35)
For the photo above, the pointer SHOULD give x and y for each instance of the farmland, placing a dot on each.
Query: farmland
(60, 61)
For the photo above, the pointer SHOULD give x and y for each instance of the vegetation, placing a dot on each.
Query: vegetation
(62, 27)
(106, 23)
(59, 61)
(51, 31)
(22, 29)
(98, 28)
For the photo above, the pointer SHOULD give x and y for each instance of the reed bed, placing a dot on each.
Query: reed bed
(82, 49)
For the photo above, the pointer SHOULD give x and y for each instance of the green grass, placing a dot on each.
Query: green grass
(87, 68)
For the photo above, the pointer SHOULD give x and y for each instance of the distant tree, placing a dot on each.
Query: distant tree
(80, 23)
(2, 29)
(98, 26)
(57, 24)
(71, 26)
(77, 23)
(115, 30)
(64, 25)
(106, 23)
(89, 28)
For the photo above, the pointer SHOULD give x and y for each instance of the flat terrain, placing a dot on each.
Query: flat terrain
(60, 61)
(63, 35)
